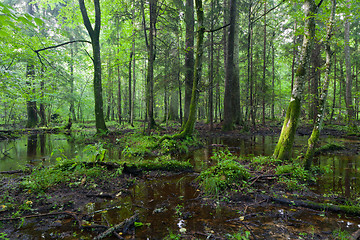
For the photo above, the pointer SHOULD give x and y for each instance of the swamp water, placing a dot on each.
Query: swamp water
(171, 204)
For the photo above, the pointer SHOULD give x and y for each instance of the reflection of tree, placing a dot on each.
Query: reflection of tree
(42, 143)
(31, 145)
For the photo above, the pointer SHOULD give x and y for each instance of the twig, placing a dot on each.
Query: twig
(124, 225)
(62, 44)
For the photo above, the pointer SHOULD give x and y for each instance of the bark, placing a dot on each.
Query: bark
(42, 114)
(334, 93)
(273, 80)
(72, 100)
(314, 82)
(94, 34)
(263, 87)
(32, 117)
(150, 68)
(189, 55)
(286, 139)
(312, 142)
(230, 103)
(294, 57)
(348, 94)
(211, 71)
(129, 89)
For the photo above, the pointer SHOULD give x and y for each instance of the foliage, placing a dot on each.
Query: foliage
(261, 163)
(136, 144)
(241, 235)
(298, 175)
(330, 147)
(226, 173)
(71, 171)
(3, 236)
(160, 163)
(341, 235)
(179, 145)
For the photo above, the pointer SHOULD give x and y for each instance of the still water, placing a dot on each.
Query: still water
(171, 204)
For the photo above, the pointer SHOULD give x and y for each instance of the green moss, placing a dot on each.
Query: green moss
(164, 163)
(225, 174)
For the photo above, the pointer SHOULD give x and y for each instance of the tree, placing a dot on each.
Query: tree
(348, 95)
(189, 55)
(232, 94)
(94, 34)
(286, 139)
(324, 92)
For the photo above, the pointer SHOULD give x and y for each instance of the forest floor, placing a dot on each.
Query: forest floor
(19, 204)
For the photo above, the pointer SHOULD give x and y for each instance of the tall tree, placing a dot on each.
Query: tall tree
(324, 92)
(286, 139)
(94, 34)
(231, 96)
(189, 55)
(348, 94)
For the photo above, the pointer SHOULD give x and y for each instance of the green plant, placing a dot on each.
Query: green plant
(341, 235)
(172, 236)
(241, 235)
(3, 236)
(225, 174)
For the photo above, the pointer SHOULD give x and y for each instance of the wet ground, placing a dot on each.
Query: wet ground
(171, 203)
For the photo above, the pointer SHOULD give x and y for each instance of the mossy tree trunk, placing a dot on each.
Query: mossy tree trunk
(190, 123)
(312, 142)
(94, 34)
(286, 139)
(189, 56)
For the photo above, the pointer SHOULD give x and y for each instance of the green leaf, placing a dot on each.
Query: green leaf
(39, 22)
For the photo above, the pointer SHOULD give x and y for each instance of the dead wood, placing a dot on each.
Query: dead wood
(101, 195)
(14, 172)
(356, 235)
(124, 225)
(315, 206)
(72, 214)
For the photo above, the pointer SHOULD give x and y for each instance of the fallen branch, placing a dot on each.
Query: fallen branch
(14, 172)
(124, 225)
(72, 214)
(316, 206)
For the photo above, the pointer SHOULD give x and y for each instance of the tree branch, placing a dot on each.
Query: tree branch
(59, 45)
(270, 10)
(217, 29)
(86, 18)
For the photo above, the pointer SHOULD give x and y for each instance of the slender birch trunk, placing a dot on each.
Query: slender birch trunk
(324, 92)
(286, 139)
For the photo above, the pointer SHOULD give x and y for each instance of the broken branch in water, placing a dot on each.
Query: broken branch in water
(124, 225)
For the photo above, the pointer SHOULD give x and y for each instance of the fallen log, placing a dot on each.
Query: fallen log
(353, 210)
(124, 225)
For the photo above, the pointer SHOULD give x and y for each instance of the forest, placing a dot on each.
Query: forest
(234, 119)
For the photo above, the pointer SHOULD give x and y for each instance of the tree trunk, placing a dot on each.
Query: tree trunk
(286, 139)
(273, 80)
(334, 94)
(190, 124)
(314, 82)
(189, 55)
(72, 99)
(95, 42)
(348, 94)
(312, 142)
(263, 87)
(294, 57)
(130, 97)
(231, 106)
(32, 117)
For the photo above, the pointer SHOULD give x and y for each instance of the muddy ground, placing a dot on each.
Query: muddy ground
(50, 208)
